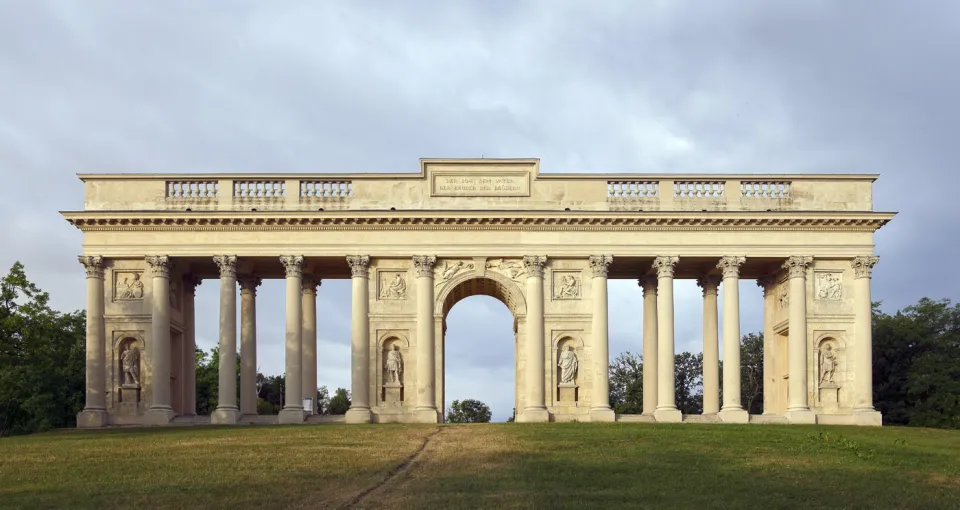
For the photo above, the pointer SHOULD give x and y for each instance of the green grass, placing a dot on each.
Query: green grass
(481, 466)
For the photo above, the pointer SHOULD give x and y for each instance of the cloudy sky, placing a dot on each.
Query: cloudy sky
(369, 86)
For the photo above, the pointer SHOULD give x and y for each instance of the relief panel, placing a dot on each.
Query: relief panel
(392, 284)
(127, 285)
(567, 285)
(828, 285)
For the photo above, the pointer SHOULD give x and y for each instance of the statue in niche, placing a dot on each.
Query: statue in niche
(831, 287)
(569, 287)
(568, 365)
(828, 364)
(130, 361)
(395, 288)
(394, 364)
(127, 289)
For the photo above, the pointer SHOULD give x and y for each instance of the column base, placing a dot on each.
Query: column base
(225, 416)
(534, 415)
(801, 416)
(425, 415)
(870, 418)
(291, 416)
(734, 416)
(668, 415)
(359, 415)
(92, 419)
(601, 414)
(158, 416)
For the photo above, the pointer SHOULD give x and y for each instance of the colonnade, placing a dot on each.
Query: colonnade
(301, 327)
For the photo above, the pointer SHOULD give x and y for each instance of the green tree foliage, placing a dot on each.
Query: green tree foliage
(626, 383)
(42, 359)
(751, 372)
(340, 402)
(688, 382)
(468, 411)
(916, 364)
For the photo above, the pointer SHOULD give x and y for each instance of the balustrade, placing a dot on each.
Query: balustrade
(698, 189)
(765, 189)
(192, 190)
(325, 189)
(259, 189)
(633, 190)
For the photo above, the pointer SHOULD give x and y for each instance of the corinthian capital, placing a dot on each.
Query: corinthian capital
(600, 264)
(534, 264)
(359, 265)
(649, 284)
(709, 284)
(766, 283)
(863, 265)
(227, 265)
(664, 266)
(292, 265)
(93, 265)
(424, 265)
(309, 285)
(160, 265)
(249, 283)
(797, 266)
(190, 284)
(731, 266)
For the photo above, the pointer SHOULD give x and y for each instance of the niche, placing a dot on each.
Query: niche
(567, 368)
(393, 367)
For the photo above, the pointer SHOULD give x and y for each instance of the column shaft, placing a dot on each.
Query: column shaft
(798, 410)
(650, 340)
(248, 344)
(426, 409)
(309, 340)
(535, 409)
(863, 345)
(732, 408)
(227, 411)
(666, 397)
(190, 284)
(600, 401)
(94, 413)
(160, 412)
(769, 383)
(711, 346)
(293, 403)
(360, 341)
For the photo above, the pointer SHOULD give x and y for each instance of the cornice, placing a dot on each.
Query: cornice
(93, 221)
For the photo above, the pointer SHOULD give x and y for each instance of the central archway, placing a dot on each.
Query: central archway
(493, 285)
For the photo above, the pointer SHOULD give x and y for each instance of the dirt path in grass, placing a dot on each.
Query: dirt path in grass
(407, 464)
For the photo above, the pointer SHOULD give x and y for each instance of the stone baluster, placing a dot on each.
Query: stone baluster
(227, 411)
(711, 345)
(426, 409)
(732, 411)
(292, 411)
(535, 409)
(160, 412)
(600, 401)
(94, 412)
(798, 410)
(359, 411)
(666, 399)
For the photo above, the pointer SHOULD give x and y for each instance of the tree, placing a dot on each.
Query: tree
(688, 385)
(468, 411)
(340, 402)
(322, 405)
(626, 383)
(42, 359)
(751, 372)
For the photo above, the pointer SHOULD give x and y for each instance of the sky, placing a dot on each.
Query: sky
(657, 86)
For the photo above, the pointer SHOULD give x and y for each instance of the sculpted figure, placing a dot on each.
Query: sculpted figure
(568, 365)
(394, 364)
(130, 359)
(130, 290)
(396, 289)
(828, 364)
(830, 287)
(784, 298)
(569, 287)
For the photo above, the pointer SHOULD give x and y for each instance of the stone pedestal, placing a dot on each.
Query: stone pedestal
(801, 416)
(359, 415)
(829, 395)
(158, 416)
(392, 394)
(567, 394)
(668, 415)
(291, 416)
(92, 419)
(225, 416)
(734, 416)
(129, 404)
(532, 415)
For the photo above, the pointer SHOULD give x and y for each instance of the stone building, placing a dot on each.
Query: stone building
(414, 244)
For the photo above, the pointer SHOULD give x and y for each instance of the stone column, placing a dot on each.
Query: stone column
(227, 412)
(359, 411)
(292, 411)
(600, 401)
(160, 412)
(309, 378)
(711, 345)
(769, 302)
(666, 399)
(94, 412)
(248, 344)
(733, 411)
(863, 410)
(535, 409)
(798, 410)
(649, 284)
(190, 284)
(426, 409)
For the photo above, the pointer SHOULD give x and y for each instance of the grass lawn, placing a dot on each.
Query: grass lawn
(633, 465)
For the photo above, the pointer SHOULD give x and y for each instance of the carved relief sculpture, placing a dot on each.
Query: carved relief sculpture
(175, 294)
(393, 285)
(566, 286)
(129, 286)
(568, 365)
(514, 269)
(784, 298)
(829, 286)
(394, 365)
(828, 364)
(130, 361)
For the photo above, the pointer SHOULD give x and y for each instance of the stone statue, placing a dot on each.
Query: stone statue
(828, 364)
(130, 359)
(394, 364)
(569, 287)
(130, 290)
(568, 365)
(397, 288)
